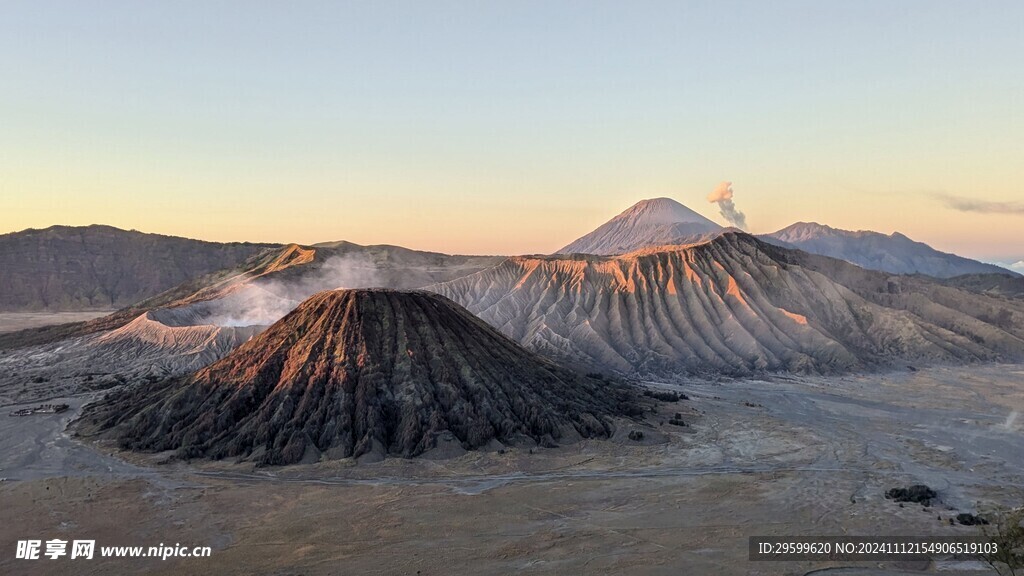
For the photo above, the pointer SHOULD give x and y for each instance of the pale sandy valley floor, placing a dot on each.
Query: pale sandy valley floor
(761, 457)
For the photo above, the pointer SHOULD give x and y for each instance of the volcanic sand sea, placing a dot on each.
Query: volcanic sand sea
(781, 456)
(13, 321)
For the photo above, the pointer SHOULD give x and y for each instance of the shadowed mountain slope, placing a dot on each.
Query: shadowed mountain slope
(97, 267)
(734, 305)
(893, 253)
(203, 288)
(356, 372)
(1005, 285)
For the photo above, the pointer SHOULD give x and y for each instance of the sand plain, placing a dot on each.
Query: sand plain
(779, 456)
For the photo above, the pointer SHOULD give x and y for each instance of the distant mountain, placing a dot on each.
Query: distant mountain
(655, 222)
(735, 305)
(97, 267)
(265, 287)
(373, 372)
(894, 253)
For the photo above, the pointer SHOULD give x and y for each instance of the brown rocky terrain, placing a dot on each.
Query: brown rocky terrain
(353, 373)
(735, 305)
(97, 267)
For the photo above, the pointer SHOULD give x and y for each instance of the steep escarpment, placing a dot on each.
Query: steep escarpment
(97, 267)
(734, 305)
(354, 372)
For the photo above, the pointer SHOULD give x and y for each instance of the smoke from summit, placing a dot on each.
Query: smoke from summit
(265, 302)
(722, 195)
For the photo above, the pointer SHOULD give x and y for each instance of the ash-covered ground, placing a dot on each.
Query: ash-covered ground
(14, 321)
(786, 456)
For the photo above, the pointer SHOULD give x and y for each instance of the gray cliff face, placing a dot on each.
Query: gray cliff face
(97, 267)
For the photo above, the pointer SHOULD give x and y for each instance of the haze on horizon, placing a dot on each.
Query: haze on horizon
(512, 127)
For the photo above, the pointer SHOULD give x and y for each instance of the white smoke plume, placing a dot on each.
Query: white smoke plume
(1011, 420)
(262, 303)
(722, 195)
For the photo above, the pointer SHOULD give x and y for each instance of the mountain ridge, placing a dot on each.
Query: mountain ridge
(734, 305)
(62, 268)
(894, 253)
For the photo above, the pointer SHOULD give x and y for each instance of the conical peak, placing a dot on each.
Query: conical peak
(662, 211)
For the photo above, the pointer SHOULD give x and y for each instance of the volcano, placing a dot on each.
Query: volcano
(648, 223)
(735, 305)
(363, 372)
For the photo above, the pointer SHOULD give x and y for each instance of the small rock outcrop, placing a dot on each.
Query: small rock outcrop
(917, 494)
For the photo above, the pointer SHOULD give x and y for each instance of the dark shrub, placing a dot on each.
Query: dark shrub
(918, 494)
(665, 396)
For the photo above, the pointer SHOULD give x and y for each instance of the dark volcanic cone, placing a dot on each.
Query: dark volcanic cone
(351, 372)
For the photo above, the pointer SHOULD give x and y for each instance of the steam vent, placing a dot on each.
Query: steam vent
(353, 373)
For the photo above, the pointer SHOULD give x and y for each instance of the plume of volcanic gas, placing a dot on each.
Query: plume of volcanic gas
(722, 195)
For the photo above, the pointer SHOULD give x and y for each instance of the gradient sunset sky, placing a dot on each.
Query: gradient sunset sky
(512, 127)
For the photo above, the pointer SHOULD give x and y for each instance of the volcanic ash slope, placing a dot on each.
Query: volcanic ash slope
(155, 345)
(734, 305)
(357, 372)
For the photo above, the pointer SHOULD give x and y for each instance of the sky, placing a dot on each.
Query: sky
(512, 127)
